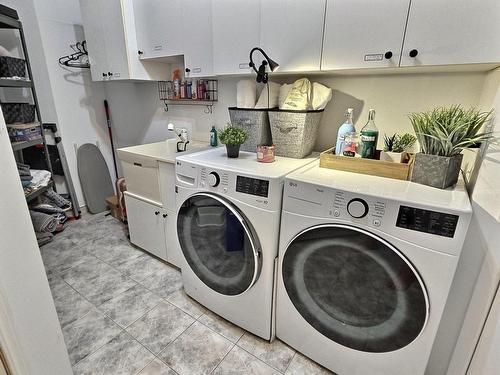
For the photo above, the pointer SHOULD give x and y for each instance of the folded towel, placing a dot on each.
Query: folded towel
(40, 177)
(26, 178)
(25, 184)
(43, 222)
(274, 92)
(246, 93)
(52, 197)
(47, 208)
(60, 217)
(43, 238)
(24, 169)
(321, 95)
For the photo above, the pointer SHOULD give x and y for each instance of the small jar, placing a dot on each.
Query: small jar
(350, 146)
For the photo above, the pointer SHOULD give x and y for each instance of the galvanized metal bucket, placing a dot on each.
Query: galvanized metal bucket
(256, 123)
(294, 133)
(436, 171)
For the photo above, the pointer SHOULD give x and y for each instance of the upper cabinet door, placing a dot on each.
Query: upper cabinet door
(292, 33)
(236, 30)
(452, 32)
(159, 27)
(197, 37)
(363, 33)
(92, 18)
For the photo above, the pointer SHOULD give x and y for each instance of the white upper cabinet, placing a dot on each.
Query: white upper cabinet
(363, 33)
(236, 30)
(291, 33)
(452, 32)
(197, 37)
(116, 47)
(159, 28)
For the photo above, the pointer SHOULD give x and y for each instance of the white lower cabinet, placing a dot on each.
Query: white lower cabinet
(147, 224)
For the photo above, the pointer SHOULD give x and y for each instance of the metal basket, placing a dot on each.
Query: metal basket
(294, 133)
(12, 67)
(18, 112)
(256, 123)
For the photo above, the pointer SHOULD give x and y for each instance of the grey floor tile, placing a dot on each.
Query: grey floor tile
(121, 356)
(130, 305)
(71, 307)
(141, 267)
(197, 351)
(239, 361)
(221, 326)
(302, 365)
(88, 334)
(164, 282)
(186, 303)
(160, 326)
(118, 254)
(275, 354)
(157, 367)
(58, 287)
(60, 257)
(97, 281)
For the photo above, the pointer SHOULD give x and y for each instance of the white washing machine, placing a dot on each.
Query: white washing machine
(228, 220)
(365, 267)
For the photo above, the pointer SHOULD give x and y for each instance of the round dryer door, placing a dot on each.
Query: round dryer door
(355, 288)
(218, 243)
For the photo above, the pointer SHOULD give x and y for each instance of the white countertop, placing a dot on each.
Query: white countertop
(158, 151)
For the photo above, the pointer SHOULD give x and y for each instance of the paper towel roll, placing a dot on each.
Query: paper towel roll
(246, 93)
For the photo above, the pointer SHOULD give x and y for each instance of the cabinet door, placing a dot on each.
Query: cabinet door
(114, 34)
(93, 24)
(197, 37)
(363, 33)
(146, 225)
(292, 33)
(174, 252)
(452, 32)
(236, 30)
(167, 185)
(159, 27)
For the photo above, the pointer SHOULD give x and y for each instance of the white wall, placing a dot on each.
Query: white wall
(138, 115)
(30, 334)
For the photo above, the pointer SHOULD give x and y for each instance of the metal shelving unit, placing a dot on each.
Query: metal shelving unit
(10, 20)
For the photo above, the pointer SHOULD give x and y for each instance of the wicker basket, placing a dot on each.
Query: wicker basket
(256, 123)
(294, 133)
(18, 112)
(12, 67)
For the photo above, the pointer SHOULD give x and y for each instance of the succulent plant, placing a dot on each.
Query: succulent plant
(404, 142)
(389, 142)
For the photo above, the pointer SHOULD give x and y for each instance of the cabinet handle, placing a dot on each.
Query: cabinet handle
(188, 70)
(165, 215)
(413, 53)
(110, 74)
(388, 55)
(157, 213)
(104, 75)
(140, 52)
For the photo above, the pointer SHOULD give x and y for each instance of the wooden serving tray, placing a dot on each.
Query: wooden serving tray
(373, 167)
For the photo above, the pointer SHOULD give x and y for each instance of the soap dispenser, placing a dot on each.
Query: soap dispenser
(345, 128)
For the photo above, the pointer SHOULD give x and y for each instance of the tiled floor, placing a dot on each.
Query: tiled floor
(124, 312)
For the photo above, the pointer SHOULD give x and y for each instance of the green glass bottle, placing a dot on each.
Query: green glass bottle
(213, 137)
(369, 137)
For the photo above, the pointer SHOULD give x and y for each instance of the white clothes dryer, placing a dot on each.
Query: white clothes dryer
(228, 220)
(365, 268)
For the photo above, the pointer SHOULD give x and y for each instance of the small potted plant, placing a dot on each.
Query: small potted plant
(396, 147)
(443, 133)
(233, 137)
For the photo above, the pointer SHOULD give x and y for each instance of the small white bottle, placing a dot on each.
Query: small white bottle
(345, 128)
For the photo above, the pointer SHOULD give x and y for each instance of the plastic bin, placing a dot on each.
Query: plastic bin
(294, 133)
(24, 132)
(18, 112)
(12, 67)
(256, 123)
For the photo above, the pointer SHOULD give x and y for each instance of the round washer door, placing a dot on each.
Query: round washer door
(218, 243)
(355, 288)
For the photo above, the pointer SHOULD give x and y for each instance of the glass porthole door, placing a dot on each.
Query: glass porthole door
(218, 243)
(355, 288)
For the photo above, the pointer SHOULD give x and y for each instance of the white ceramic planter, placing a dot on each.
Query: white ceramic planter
(395, 157)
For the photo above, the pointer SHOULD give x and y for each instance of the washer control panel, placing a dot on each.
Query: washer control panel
(346, 205)
(357, 208)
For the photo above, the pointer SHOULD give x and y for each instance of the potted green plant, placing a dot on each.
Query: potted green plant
(396, 146)
(443, 133)
(233, 137)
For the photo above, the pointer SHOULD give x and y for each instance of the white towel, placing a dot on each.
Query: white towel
(246, 93)
(274, 90)
(321, 96)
